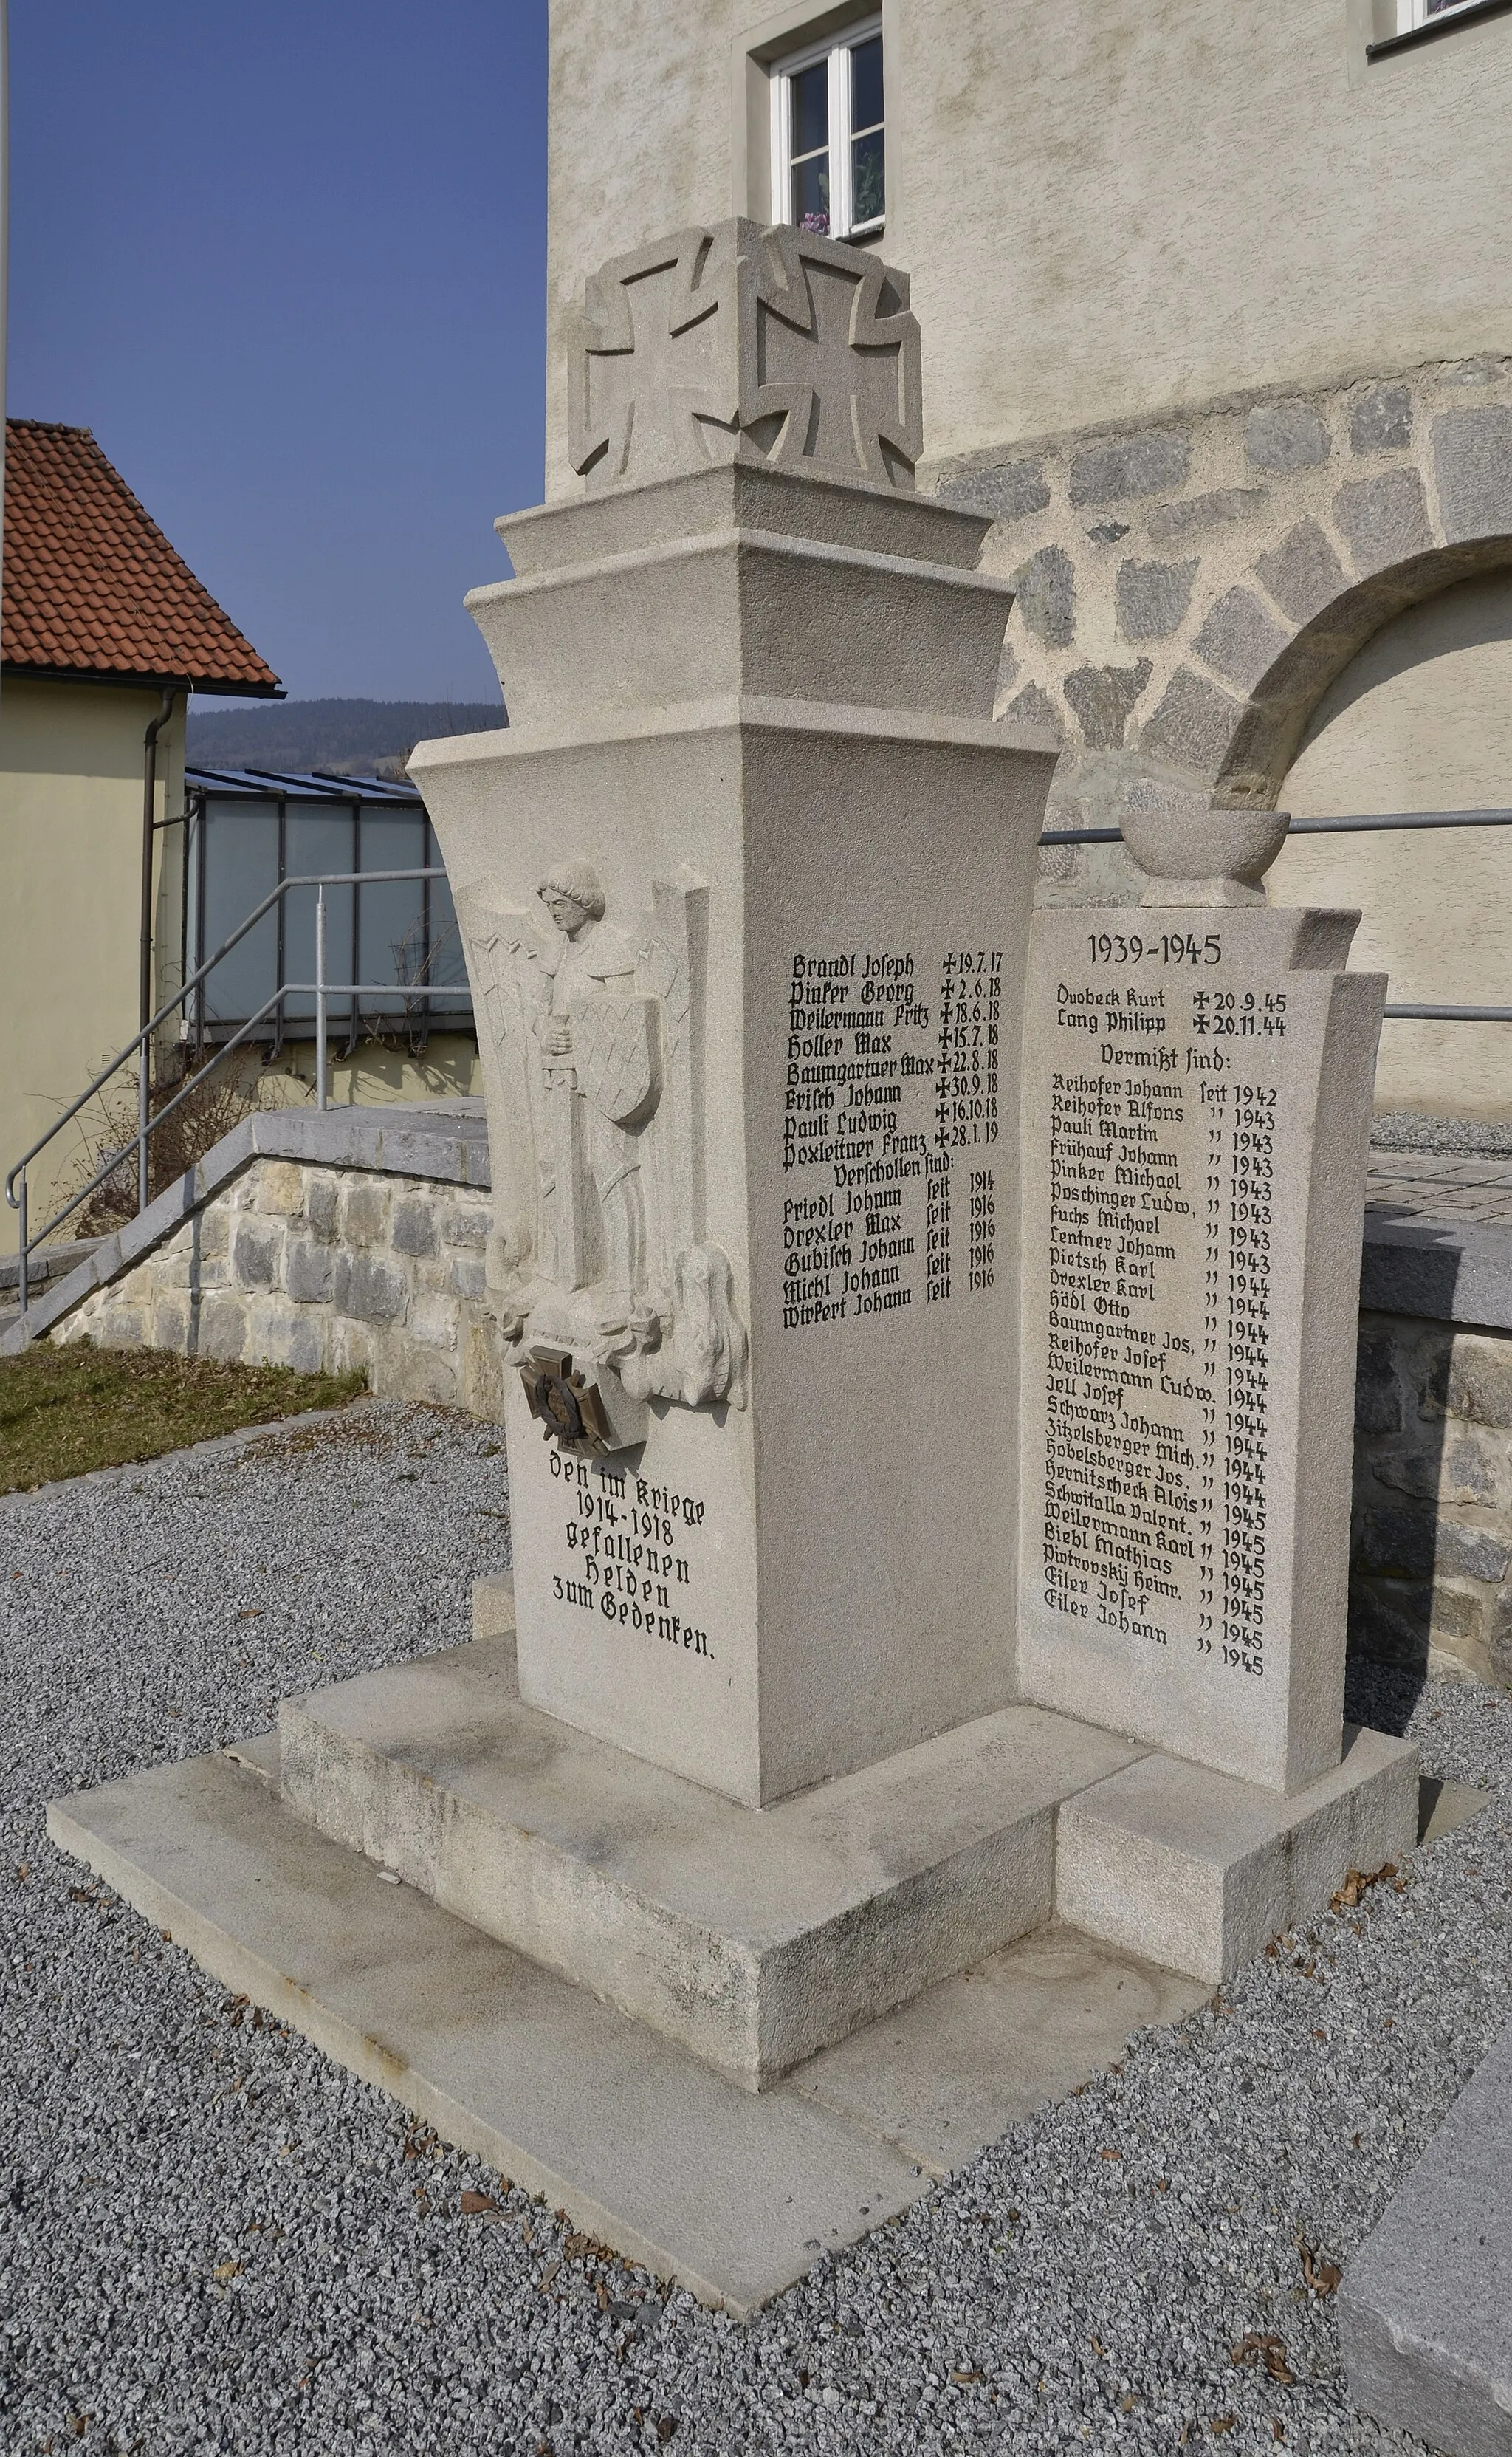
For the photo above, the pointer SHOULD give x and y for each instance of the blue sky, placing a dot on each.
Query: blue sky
(288, 261)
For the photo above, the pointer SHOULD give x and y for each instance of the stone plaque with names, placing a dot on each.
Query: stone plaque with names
(893, 1107)
(1197, 1099)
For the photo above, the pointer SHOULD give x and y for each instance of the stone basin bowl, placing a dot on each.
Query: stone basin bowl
(1179, 839)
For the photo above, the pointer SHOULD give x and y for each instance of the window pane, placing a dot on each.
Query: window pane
(866, 84)
(391, 927)
(315, 840)
(867, 187)
(811, 107)
(448, 956)
(811, 192)
(241, 843)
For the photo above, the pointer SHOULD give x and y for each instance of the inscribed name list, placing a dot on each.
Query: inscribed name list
(1170, 1108)
(890, 1120)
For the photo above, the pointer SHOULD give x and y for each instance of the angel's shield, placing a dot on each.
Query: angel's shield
(614, 1050)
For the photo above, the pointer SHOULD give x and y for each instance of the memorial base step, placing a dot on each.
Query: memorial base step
(753, 1938)
(731, 2192)
(1199, 1871)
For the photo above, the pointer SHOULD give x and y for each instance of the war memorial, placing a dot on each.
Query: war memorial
(929, 1331)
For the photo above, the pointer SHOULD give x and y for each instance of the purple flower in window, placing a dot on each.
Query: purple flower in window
(819, 223)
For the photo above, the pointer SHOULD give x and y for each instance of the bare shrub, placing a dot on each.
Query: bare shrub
(213, 1102)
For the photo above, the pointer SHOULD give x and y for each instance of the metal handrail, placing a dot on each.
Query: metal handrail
(1365, 826)
(1420, 1014)
(320, 990)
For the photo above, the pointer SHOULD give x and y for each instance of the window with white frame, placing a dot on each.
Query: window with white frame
(828, 137)
(1412, 13)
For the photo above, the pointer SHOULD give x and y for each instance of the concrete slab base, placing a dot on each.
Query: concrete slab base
(1444, 1807)
(258, 1755)
(732, 2193)
(952, 2072)
(1198, 1871)
(1425, 2308)
(753, 1938)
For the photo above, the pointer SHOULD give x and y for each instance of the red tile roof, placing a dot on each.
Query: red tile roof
(91, 585)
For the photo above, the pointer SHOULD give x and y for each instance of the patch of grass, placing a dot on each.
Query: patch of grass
(63, 1410)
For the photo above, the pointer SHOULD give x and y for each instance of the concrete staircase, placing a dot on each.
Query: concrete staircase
(442, 1140)
(52, 1264)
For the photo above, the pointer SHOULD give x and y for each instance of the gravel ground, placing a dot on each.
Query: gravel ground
(1414, 1130)
(211, 2241)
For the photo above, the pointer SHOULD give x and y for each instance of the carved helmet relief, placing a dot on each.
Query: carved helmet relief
(732, 342)
(605, 1288)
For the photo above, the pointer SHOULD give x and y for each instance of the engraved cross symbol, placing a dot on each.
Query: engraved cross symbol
(656, 357)
(837, 356)
(737, 343)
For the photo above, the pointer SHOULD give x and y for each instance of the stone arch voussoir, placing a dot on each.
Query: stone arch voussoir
(1270, 721)
(1187, 591)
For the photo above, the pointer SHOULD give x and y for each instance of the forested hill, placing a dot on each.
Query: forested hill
(355, 737)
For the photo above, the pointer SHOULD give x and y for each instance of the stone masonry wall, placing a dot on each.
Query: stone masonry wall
(1431, 1559)
(326, 1271)
(1187, 591)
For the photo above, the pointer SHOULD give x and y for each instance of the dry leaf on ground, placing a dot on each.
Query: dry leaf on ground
(1357, 1884)
(1323, 2275)
(1270, 2351)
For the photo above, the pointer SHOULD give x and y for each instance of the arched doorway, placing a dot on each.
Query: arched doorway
(1421, 718)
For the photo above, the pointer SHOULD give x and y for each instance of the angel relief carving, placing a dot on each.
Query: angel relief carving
(592, 1065)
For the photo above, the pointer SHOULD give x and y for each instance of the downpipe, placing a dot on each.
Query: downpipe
(145, 972)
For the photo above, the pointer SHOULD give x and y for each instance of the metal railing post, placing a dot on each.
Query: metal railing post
(14, 1180)
(319, 998)
(144, 1082)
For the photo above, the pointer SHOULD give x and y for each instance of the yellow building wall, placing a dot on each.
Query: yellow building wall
(445, 1069)
(71, 844)
(1421, 720)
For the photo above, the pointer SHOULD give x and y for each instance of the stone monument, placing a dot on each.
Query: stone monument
(745, 890)
(928, 1334)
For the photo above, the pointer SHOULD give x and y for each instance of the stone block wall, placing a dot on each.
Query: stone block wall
(324, 1269)
(1431, 1551)
(1187, 591)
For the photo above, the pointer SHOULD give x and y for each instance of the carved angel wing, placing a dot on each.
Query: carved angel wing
(505, 967)
(669, 968)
